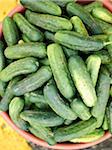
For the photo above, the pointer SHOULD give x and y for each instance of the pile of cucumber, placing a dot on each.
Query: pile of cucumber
(56, 70)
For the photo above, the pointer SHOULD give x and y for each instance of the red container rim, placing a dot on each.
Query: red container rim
(30, 137)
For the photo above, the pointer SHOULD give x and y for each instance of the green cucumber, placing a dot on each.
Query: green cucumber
(109, 67)
(44, 61)
(57, 104)
(109, 47)
(25, 50)
(33, 81)
(46, 7)
(79, 26)
(62, 3)
(2, 88)
(17, 103)
(45, 119)
(69, 52)
(2, 58)
(109, 116)
(105, 123)
(48, 22)
(82, 80)
(98, 110)
(19, 67)
(75, 130)
(93, 66)
(75, 9)
(29, 30)
(49, 36)
(102, 37)
(80, 109)
(60, 71)
(25, 38)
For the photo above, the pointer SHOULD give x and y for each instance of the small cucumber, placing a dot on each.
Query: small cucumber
(48, 22)
(57, 104)
(60, 71)
(105, 123)
(109, 117)
(103, 14)
(25, 27)
(82, 80)
(26, 50)
(8, 95)
(2, 58)
(109, 47)
(49, 36)
(79, 26)
(98, 110)
(46, 7)
(25, 38)
(91, 137)
(44, 61)
(80, 109)
(2, 88)
(19, 67)
(102, 37)
(93, 66)
(62, 3)
(75, 130)
(10, 31)
(69, 52)
(75, 9)
(15, 108)
(45, 119)
(33, 81)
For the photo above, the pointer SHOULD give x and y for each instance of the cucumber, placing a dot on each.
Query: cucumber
(93, 66)
(46, 7)
(19, 67)
(75, 9)
(105, 123)
(109, 47)
(48, 22)
(2, 88)
(33, 81)
(82, 80)
(25, 38)
(57, 104)
(91, 137)
(17, 103)
(49, 36)
(74, 41)
(75, 130)
(103, 14)
(43, 133)
(60, 71)
(25, 50)
(62, 3)
(29, 30)
(44, 61)
(45, 119)
(69, 52)
(102, 37)
(109, 67)
(93, 5)
(42, 106)
(2, 58)
(98, 110)
(109, 117)
(8, 95)
(79, 26)
(80, 109)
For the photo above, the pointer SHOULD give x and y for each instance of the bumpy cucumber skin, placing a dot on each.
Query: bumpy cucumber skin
(82, 80)
(31, 32)
(47, 7)
(109, 47)
(26, 50)
(80, 109)
(76, 9)
(75, 130)
(60, 71)
(98, 111)
(48, 22)
(75, 41)
(10, 31)
(15, 109)
(69, 52)
(8, 95)
(45, 119)
(57, 104)
(19, 67)
(33, 81)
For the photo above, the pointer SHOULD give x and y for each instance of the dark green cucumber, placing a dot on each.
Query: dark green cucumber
(15, 108)
(49, 36)
(75, 41)
(98, 110)
(69, 52)
(25, 27)
(8, 95)
(109, 116)
(10, 31)
(109, 47)
(75, 130)
(25, 38)
(2, 58)
(93, 66)
(62, 3)
(19, 67)
(2, 88)
(75, 9)
(80, 109)
(82, 80)
(25, 50)
(46, 7)
(44, 61)
(57, 104)
(60, 71)
(33, 81)
(48, 22)
(105, 123)
(45, 119)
